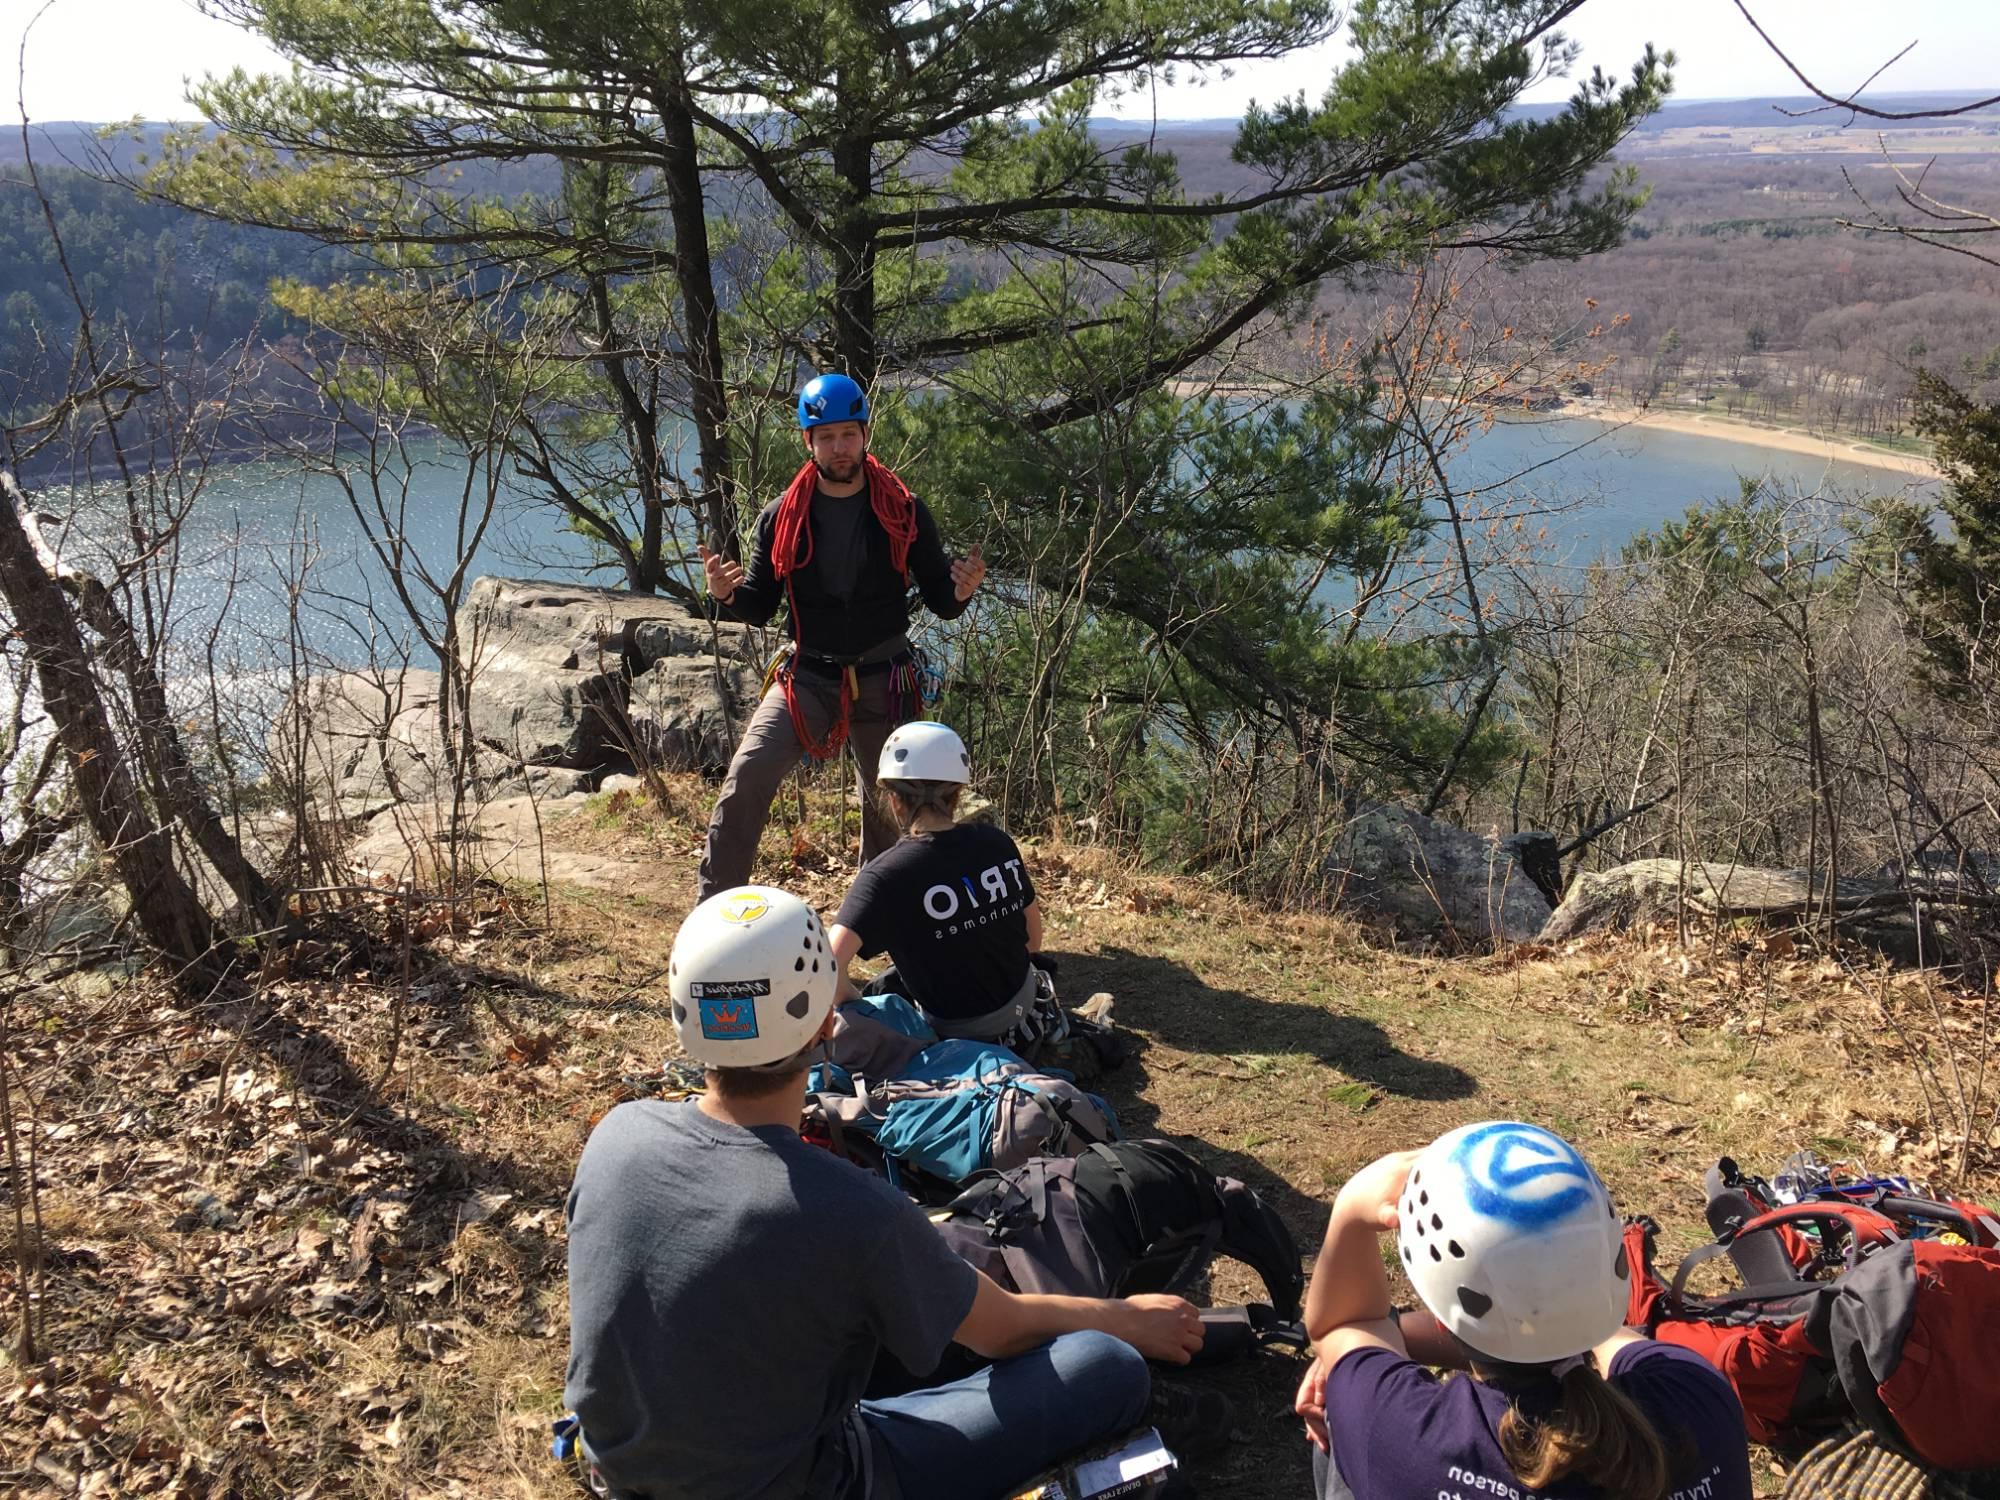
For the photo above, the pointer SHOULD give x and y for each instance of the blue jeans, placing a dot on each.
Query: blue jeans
(985, 1434)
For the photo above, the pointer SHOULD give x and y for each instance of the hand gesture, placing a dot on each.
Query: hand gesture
(1159, 1327)
(1371, 1194)
(1310, 1403)
(966, 573)
(722, 575)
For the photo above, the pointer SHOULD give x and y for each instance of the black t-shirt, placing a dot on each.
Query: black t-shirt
(949, 908)
(840, 543)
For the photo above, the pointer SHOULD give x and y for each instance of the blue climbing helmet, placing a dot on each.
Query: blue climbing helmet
(831, 398)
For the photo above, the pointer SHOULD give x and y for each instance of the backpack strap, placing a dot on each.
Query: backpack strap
(1122, 1181)
(1865, 1228)
(995, 1194)
(1928, 1210)
(1028, 1187)
(1194, 1248)
(1270, 1328)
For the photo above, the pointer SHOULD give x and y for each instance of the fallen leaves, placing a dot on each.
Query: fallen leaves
(478, 1207)
(241, 1217)
(531, 1049)
(361, 1240)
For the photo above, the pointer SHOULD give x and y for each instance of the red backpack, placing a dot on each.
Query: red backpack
(1901, 1336)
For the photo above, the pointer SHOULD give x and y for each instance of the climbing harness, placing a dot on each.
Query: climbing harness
(791, 549)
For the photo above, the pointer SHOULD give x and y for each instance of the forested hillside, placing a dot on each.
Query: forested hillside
(183, 288)
(1738, 287)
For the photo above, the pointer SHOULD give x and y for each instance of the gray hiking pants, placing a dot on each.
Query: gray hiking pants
(765, 757)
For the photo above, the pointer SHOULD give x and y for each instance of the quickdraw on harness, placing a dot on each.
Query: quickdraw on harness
(791, 549)
(913, 683)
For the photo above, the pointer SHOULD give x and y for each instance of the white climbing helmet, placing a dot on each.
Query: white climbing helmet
(924, 751)
(1512, 1242)
(751, 978)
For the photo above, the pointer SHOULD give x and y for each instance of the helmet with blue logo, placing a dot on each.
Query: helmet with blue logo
(831, 398)
(752, 978)
(1512, 1241)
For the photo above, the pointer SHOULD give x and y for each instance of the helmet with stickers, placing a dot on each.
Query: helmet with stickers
(1513, 1243)
(924, 750)
(831, 398)
(751, 978)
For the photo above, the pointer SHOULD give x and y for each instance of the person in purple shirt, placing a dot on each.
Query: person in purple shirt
(1515, 1249)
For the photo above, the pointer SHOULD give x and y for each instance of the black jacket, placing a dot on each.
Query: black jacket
(879, 610)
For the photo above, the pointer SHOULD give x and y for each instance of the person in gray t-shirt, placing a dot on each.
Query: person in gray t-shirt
(731, 1285)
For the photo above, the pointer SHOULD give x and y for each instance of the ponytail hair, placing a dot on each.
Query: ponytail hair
(1594, 1433)
(906, 801)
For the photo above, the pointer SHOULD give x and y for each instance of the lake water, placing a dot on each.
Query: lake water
(1589, 488)
(1616, 483)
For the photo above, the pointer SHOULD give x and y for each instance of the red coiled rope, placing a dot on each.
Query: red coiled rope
(791, 549)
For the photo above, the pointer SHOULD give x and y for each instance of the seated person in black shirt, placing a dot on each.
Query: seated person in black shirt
(951, 904)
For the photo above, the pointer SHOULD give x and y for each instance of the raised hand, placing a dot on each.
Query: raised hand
(967, 572)
(722, 575)
(1370, 1195)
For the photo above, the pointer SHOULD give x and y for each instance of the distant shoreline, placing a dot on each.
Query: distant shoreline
(1845, 449)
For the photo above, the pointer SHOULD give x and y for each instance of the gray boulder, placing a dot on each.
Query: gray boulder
(558, 668)
(692, 693)
(568, 684)
(369, 741)
(1434, 881)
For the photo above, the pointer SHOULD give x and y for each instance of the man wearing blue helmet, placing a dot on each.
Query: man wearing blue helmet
(840, 549)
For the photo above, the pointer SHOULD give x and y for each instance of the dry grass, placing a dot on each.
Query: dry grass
(269, 1278)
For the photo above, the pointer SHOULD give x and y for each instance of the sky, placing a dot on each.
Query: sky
(112, 59)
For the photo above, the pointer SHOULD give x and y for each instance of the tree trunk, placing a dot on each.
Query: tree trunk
(167, 909)
(854, 297)
(682, 174)
(173, 776)
(641, 431)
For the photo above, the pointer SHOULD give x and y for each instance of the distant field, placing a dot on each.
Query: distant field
(1911, 146)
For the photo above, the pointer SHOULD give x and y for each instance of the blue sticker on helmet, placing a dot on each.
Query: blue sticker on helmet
(728, 1020)
(1522, 1175)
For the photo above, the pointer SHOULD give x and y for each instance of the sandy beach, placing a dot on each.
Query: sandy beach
(1782, 439)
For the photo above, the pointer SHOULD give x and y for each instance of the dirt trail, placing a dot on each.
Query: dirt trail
(519, 839)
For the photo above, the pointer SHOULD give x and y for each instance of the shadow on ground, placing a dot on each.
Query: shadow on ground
(1183, 1011)
(1180, 1011)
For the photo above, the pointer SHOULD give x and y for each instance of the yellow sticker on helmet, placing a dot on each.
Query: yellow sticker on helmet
(743, 907)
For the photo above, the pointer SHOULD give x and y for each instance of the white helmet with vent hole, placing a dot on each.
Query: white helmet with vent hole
(1512, 1241)
(751, 977)
(924, 750)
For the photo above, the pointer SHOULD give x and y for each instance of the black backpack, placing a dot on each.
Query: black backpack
(1119, 1218)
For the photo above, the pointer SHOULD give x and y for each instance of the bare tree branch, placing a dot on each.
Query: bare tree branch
(1834, 101)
